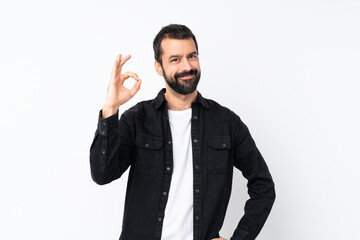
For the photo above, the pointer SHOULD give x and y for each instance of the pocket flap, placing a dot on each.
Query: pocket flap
(220, 142)
(148, 142)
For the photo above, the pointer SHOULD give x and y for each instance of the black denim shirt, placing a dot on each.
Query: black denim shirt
(141, 140)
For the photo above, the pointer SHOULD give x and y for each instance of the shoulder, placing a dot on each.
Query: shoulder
(221, 114)
(140, 108)
(217, 109)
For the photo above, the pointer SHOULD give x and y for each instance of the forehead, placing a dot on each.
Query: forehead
(171, 46)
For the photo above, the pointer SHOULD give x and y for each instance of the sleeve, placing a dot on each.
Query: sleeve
(260, 185)
(111, 149)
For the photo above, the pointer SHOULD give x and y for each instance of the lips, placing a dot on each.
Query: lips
(186, 77)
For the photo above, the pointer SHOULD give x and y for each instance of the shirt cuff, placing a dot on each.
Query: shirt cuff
(108, 126)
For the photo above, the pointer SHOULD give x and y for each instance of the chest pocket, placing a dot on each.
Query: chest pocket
(147, 154)
(219, 154)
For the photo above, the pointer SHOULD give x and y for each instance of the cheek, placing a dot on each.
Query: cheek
(196, 65)
(171, 71)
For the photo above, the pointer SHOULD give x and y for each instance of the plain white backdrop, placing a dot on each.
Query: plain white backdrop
(289, 69)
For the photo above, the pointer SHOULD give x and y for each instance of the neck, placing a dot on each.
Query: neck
(179, 102)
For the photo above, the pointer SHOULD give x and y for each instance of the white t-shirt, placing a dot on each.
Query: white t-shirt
(178, 219)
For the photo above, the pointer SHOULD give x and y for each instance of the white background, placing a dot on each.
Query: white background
(289, 69)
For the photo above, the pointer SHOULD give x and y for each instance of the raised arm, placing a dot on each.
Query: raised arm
(110, 151)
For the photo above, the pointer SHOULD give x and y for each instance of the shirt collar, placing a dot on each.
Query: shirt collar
(160, 99)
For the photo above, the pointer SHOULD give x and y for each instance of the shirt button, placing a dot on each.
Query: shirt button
(195, 117)
(169, 142)
(103, 132)
(104, 123)
(195, 140)
(197, 190)
(197, 217)
(146, 145)
(159, 219)
(168, 168)
(197, 167)
(224, 145)
(164, 193)
(103, 151)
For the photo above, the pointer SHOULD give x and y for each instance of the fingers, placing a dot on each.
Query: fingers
(115, 66)
(131, 74)
(136, 87)
(119, 62)
(137, 84)
(120, 78)
(124, 59)
(127, 75)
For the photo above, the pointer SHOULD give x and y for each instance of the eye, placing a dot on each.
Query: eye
(174, 60)
(193, 56)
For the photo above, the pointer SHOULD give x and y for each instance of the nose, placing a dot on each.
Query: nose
(185, 65)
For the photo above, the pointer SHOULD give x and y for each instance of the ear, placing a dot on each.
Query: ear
(158, 68)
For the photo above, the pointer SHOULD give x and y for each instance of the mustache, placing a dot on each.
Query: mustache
(184, 74)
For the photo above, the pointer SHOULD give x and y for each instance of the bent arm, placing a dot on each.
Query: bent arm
(260, 185)
(110, 151)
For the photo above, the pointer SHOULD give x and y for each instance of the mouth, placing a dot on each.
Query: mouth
(186, 77)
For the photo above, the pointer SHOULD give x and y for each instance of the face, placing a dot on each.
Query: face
(180, 65)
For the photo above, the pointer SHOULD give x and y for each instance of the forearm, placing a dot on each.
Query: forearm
(109, 111)
(257, 209)
(110, 151)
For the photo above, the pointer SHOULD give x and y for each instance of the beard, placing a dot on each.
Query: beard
(185, 86)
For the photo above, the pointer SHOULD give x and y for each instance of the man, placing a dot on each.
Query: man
(181, 149)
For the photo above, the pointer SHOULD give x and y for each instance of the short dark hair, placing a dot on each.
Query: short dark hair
(174, 31)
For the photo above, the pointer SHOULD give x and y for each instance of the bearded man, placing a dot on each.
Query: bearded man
(181, 149)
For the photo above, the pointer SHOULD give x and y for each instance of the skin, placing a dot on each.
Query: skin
(117, 93)
(178, 56)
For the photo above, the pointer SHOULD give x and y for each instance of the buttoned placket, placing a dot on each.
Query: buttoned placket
(168, 167)
(196, 170)
(168, 172)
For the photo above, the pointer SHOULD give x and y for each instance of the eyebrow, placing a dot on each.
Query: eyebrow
(176, 56)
